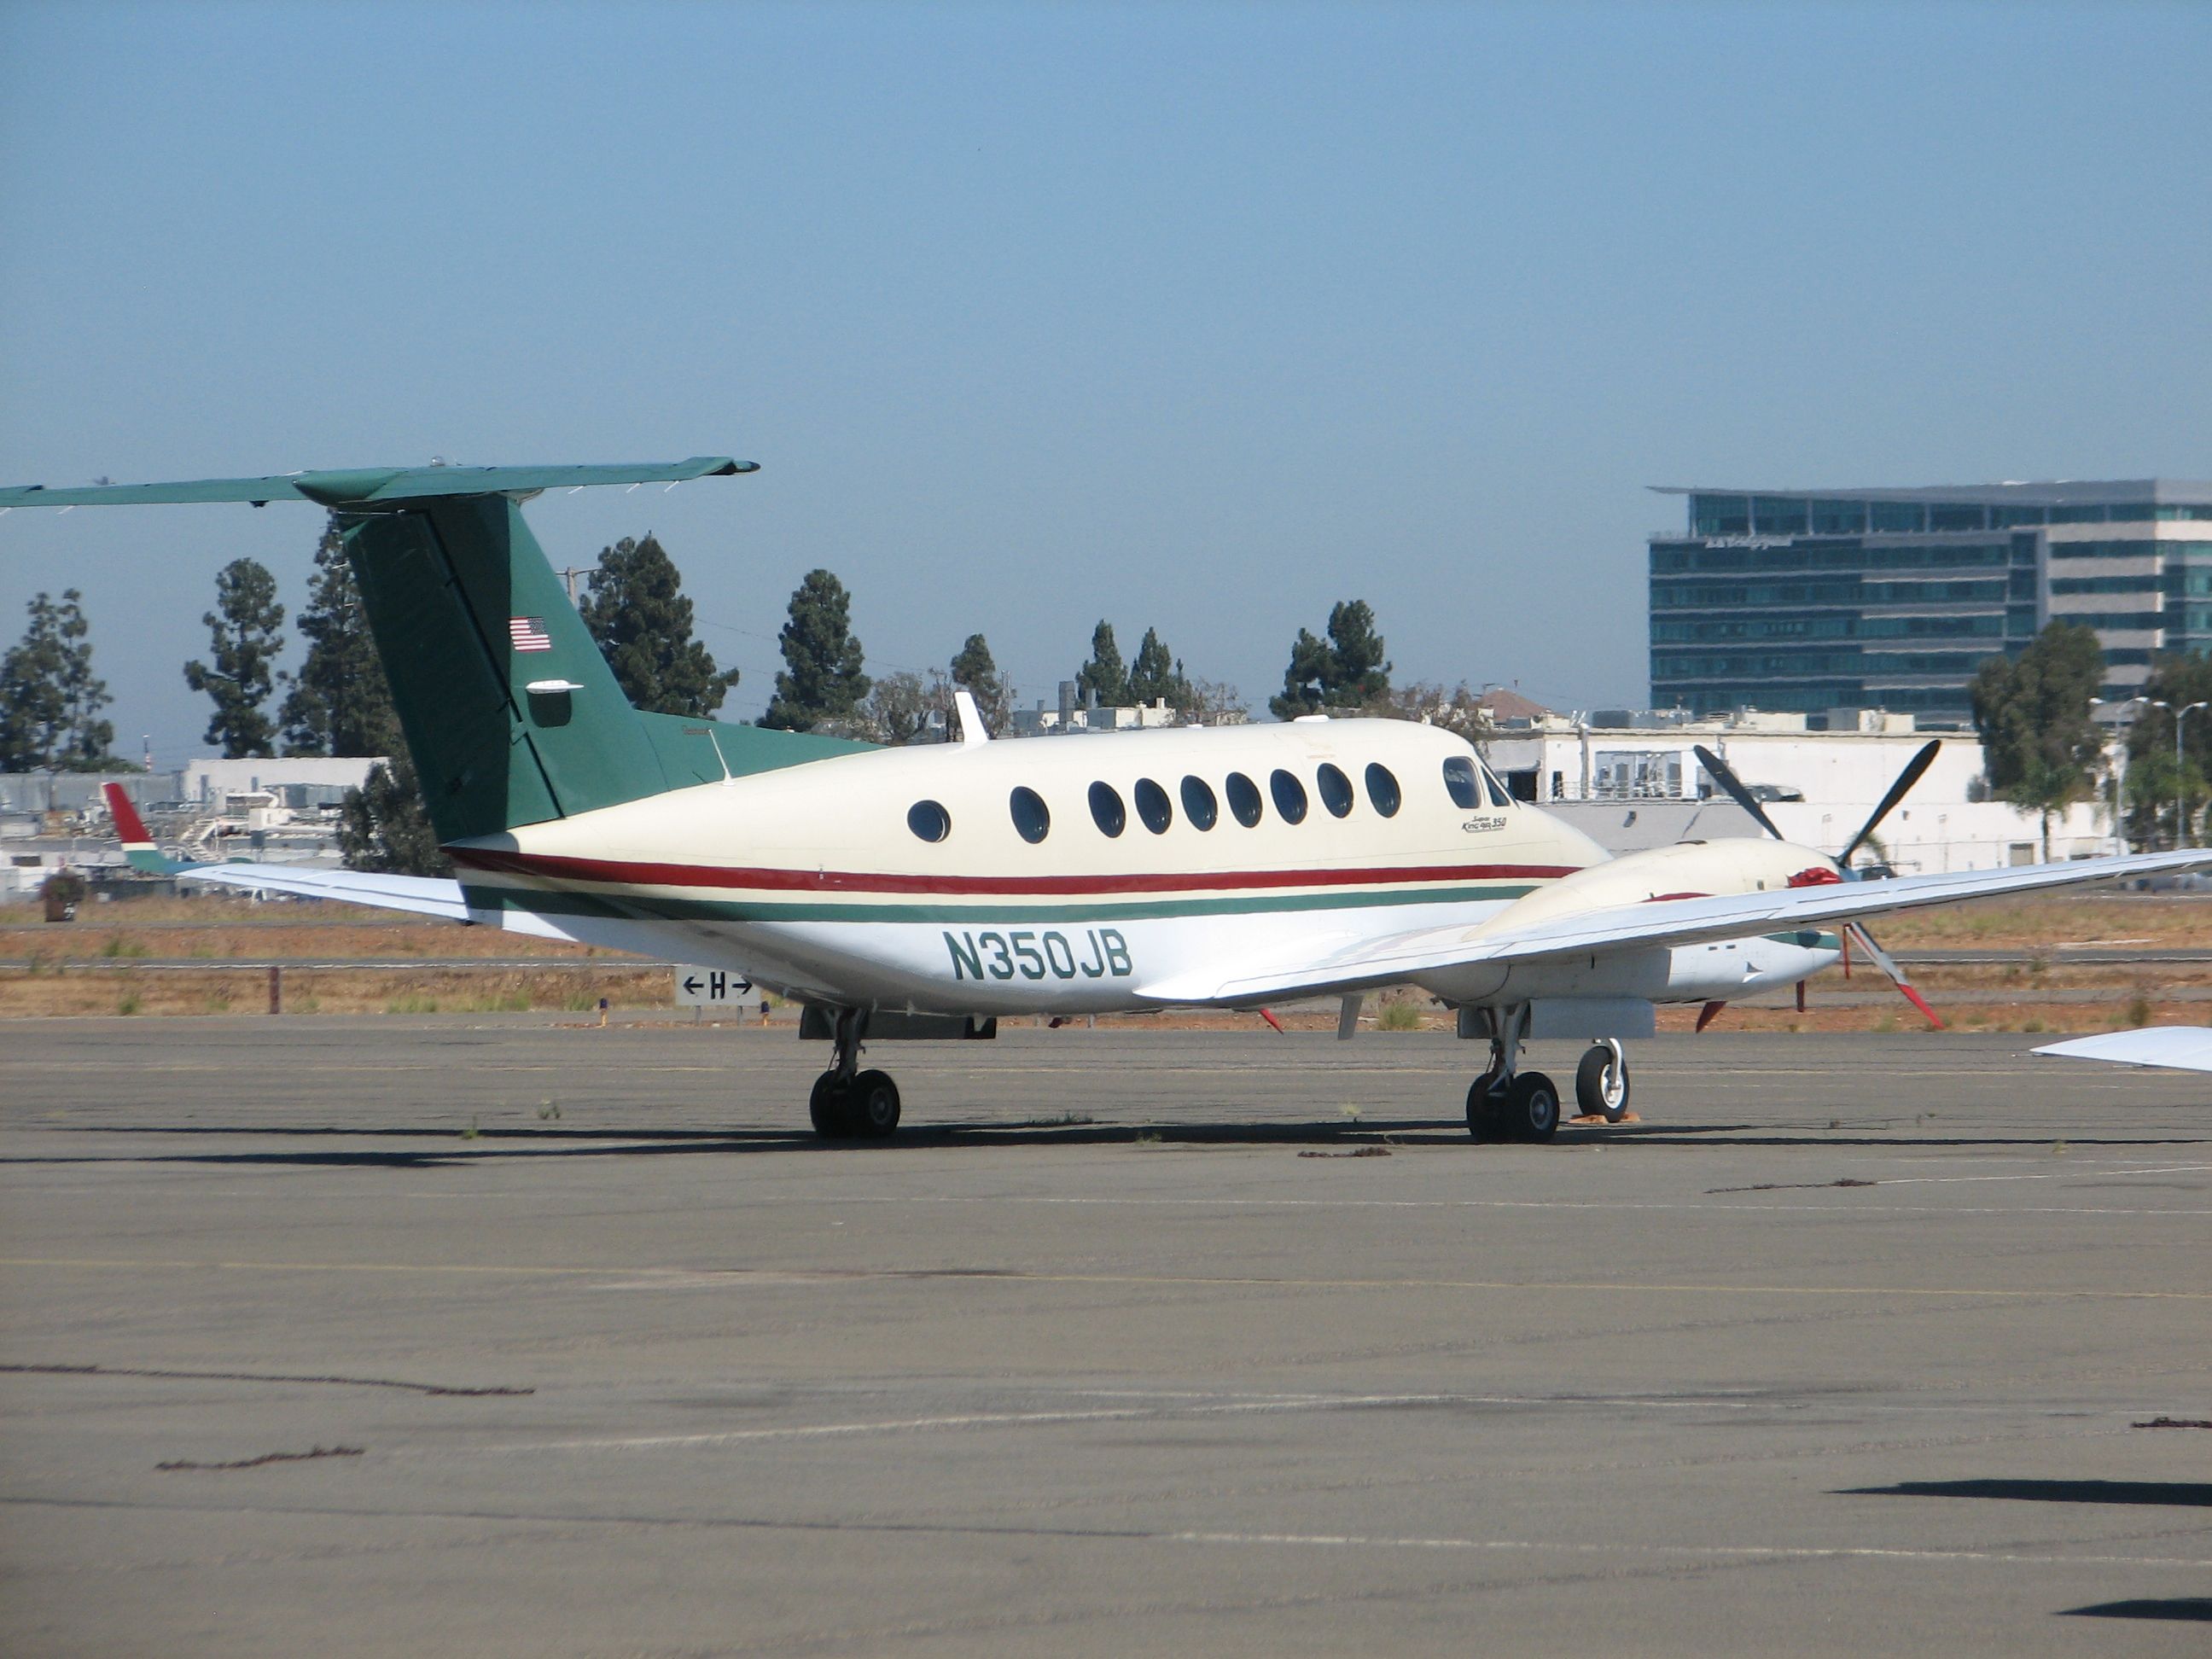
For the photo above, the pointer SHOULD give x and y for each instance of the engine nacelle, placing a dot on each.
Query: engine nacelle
(1715, 972)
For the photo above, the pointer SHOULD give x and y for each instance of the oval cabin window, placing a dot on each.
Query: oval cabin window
(928, 820)
(1290, 796)
(1029, 812)
(1243, 798)
(1107, 810)
(1199, 805)
(1335, 790)
(1460, 779)
(1152, 806)
(1383, 789)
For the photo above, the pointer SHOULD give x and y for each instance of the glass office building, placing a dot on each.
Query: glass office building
(1810, 601)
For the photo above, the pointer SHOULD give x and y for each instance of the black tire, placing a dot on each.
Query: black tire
(872, 1105)
(1482, 1111)
(830, 1107)
(1532, 1106)
(1591, 1078)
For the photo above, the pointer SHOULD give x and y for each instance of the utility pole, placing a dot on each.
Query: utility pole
(568, 578)
(2180, 790)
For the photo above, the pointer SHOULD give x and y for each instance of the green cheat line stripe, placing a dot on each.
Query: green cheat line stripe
(576, 904)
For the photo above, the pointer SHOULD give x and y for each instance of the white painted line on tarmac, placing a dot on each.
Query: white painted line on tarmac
(2051, 1175)
(1683, 1552)
(1840, 1207)
(818, 1277)
(1158, 1412)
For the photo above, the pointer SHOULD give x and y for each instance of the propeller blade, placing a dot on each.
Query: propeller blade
(1910, 775)
(1733, 786)
(1887, 963)
(1709, 1013)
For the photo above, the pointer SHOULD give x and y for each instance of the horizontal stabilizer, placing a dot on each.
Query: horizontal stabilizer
(366, 487)
(420, 895)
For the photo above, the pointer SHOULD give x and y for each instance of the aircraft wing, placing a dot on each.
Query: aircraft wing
(1395, 957)
(2182, 1047)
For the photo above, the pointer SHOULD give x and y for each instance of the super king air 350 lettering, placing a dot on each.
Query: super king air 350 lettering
(923, 891)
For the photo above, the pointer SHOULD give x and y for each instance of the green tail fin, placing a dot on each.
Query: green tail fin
(468, 617)
(511, 712)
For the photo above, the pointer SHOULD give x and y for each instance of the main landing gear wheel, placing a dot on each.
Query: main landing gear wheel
(1601, 1082)
(847, 1102)
(1532, 1106)
(830, 1108)
(872, 1105)
(1485, 1110)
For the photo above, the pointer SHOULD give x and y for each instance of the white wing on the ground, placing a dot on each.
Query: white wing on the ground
(1393, 958)
(422, 895)
(2183, 1047)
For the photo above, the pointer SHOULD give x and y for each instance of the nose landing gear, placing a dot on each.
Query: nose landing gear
(1602, 1081)
(848, 1104)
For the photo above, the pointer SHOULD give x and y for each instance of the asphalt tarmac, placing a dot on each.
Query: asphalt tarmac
(447, 1336)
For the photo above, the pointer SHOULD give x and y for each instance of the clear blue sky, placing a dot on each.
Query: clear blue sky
(1196, 316)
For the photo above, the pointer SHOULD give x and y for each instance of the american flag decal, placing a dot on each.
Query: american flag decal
(528, 634)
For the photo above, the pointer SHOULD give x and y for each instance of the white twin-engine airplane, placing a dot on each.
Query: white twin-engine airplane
(921, 892)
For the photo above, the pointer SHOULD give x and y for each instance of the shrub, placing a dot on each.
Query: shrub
(1400, 1014)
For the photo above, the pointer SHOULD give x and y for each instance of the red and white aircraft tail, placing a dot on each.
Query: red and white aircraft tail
(137, 844)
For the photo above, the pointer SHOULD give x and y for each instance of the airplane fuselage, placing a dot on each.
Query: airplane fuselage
(1065, 875)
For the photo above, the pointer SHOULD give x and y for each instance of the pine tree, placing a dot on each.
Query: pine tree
(340, 703)
(1345, 670)
(1102, 680)
(383, 825)
(1156, 674)
(974, 669)
(2040, 749)
(32, 715)
(822, 679)
(83, 694)
(50, 698)
(245, 643)
(636, 609)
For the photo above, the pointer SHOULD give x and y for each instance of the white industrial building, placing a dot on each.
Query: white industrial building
(280, 808)
(1633, 780)
(296, 779)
